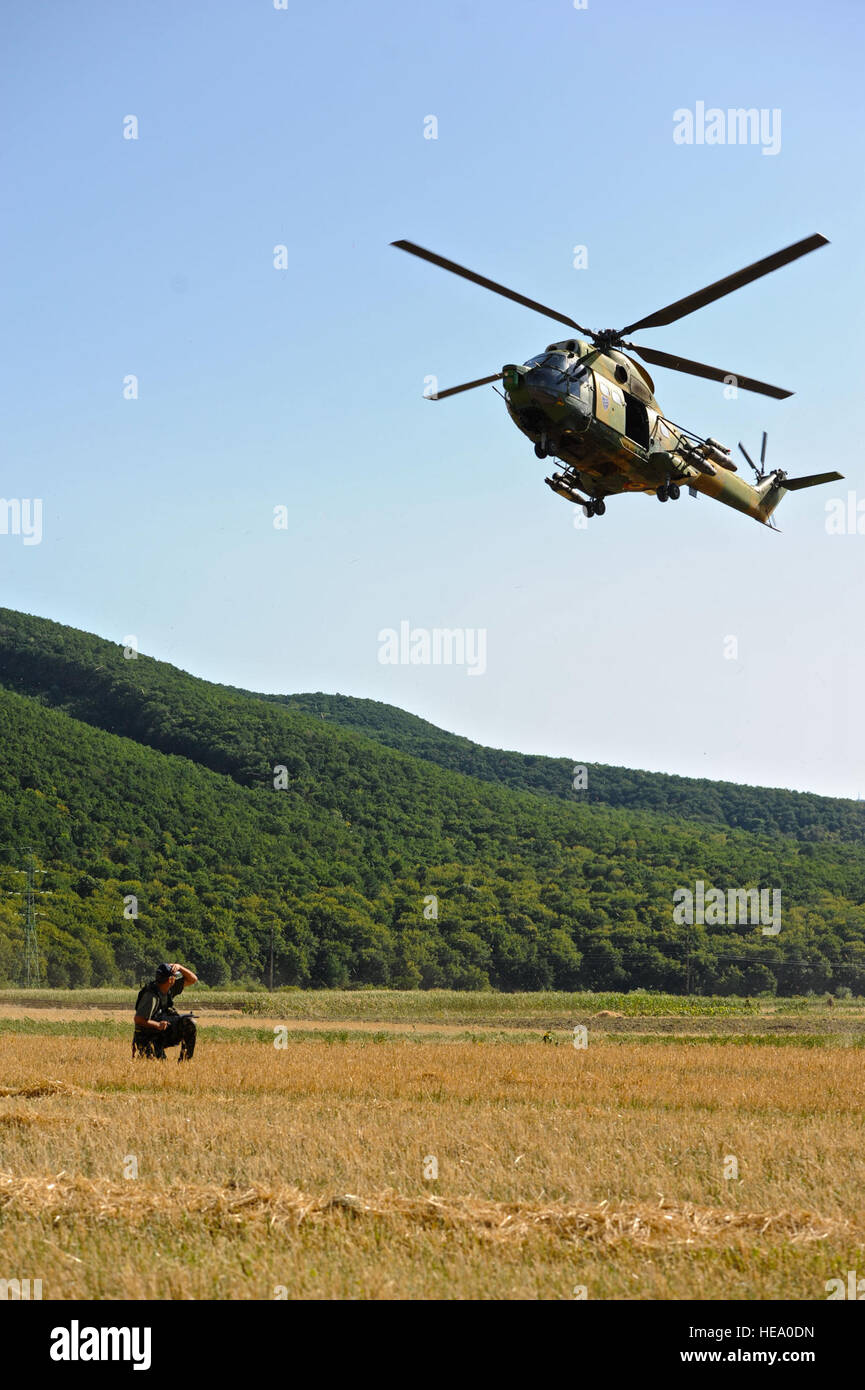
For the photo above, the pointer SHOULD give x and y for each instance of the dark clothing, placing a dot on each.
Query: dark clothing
(158, 1006)
(173, 1033)
(152, 1004)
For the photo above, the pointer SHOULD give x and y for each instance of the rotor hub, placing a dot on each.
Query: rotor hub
(606, 338)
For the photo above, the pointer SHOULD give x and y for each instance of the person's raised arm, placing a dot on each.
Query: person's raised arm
(188, 977)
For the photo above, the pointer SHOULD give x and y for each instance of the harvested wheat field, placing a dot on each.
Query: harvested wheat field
(635, 1168)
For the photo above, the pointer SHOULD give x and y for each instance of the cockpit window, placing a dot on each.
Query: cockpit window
(579, 380)
(557, 360)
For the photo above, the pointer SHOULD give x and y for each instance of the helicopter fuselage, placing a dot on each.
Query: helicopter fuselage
(596, 411)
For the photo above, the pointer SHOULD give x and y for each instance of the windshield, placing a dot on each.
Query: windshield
(556, 360)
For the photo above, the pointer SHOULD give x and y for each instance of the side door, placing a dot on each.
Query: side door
(609, 403)
(636, 420)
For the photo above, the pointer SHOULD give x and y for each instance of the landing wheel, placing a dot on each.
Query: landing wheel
(662, 494)
(540, 451)
(673, 492)
(600, 507)
(589, 508)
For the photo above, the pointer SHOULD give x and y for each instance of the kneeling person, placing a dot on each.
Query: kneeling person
(157, 1023)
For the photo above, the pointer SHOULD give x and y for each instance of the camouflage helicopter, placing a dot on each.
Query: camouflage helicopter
(587, 403)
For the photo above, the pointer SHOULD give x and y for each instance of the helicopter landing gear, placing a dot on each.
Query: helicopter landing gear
(668, 492)
(661, 493)
(596, 506)
(540, 451)
(673, 492)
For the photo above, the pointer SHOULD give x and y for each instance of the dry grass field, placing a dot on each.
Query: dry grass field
(299, 1171)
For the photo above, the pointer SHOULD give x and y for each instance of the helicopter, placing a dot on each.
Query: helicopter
(589, 404)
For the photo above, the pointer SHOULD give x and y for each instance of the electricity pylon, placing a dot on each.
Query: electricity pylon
(30, 972)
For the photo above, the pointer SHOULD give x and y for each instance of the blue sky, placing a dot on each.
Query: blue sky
(303, 387)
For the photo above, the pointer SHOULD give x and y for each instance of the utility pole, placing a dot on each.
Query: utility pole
(30, 972)
(31, 942)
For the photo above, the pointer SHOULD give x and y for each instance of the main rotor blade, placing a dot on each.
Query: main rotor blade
(486, 284)
(682, 364)
(466, 386)
(728, 284)
(748, 457)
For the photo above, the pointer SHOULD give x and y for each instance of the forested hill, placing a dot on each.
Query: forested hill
(170, 817)
(766, 810)
(79, 673)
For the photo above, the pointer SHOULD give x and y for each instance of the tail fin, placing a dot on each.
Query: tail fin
(774, 487)
(812, 480)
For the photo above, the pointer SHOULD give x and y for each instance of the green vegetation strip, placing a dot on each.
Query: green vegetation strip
(214, 1033)
(432, 1006)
